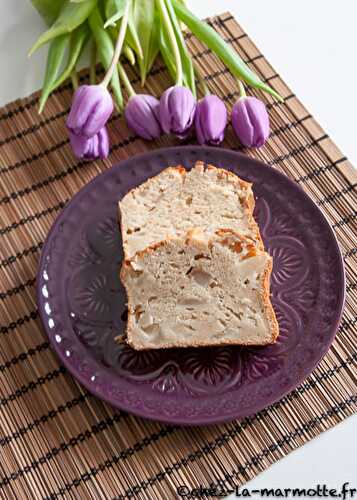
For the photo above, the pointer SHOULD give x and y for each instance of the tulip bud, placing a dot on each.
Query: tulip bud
(177, 111)
(142, 116)
(91, 108)
(250, 121)
(210, 120)
(90, 148)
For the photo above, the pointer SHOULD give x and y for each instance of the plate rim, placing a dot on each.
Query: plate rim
(186, 420)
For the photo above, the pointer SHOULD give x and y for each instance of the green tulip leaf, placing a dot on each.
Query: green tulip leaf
(166, 53)
(153, 48)
(146, 25)
(48, 9)
(222, 49)
(132, 38)
(105, 50)
(114, 10)
(55, 57)
(70, 17)
(78, 40)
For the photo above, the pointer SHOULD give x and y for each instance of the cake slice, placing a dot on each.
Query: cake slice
(177, 200)
(199, 290)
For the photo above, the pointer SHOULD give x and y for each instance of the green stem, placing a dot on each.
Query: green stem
(125, 79)
(93, 61)
(171, 34)
(201, 79)
(74, 79)
(118, 45)
(241, 89)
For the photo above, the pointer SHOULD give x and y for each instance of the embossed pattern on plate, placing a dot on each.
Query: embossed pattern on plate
(82, 302)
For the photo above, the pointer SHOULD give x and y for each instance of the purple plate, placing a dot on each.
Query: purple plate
(82, 302)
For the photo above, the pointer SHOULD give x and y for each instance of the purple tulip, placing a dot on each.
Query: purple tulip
(210, 120)
(142, 116)
(91, 108)
(91, 148)
(250, 121)
(177, 111)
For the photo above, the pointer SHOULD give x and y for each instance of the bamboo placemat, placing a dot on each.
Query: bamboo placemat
(59, 441)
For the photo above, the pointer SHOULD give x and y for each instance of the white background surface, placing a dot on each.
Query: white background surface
(312, 44)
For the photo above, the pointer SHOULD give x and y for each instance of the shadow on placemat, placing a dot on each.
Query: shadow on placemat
(58, 440)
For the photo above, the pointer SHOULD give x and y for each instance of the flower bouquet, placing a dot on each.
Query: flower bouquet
(140, 31)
